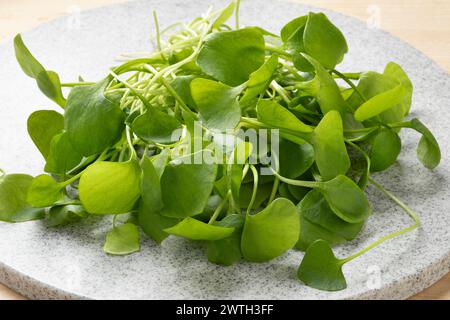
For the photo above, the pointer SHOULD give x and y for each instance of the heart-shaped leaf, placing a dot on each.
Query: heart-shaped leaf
(277, 116)
(428, 150)
(44, 191)
(62, 157)
(320, 269)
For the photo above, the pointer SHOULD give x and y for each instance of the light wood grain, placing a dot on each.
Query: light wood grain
(423, 23)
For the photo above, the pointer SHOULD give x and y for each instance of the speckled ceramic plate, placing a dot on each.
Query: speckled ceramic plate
(70, 263)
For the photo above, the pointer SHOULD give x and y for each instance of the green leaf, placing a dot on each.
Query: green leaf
(323, 41)
(245, 194)
(193, 229)
(315, 208)
(13, 205)
(42, 126)
(380, 103)
(277, 116)
(259, 80)
(150, 219)
(62, 215)
(226, 13)
(47, 81)
(316, 36)
(231, 56)
(346, 199)
(44, 191)
(330, 152)
(320, 269)
(122, 240)
(155, 126)
(62, 156)
(180, 181)
(293, 31)
(92, 121)
(372, 84)
(217, 103)
(182, 86)
(324, 89)
(428, 151)
(110, 187)
(311, 232)
(295, 159)
(394, 71)
(385, 149)
(228, 250)
(271, 232)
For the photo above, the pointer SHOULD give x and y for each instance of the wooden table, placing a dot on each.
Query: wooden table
(424, 24)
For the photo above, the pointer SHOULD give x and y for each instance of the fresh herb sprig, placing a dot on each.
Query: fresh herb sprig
(114, 152)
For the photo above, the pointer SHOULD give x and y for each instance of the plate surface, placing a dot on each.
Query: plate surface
(69, 262)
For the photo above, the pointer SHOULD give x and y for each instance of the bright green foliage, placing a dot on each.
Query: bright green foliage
(110, 187)
(271, 232)
(193, 229)
(42, 126)
(92, 121)
(330, 152)
(47, 81)
(320, 269)
(163, 142)
(231, 56)
(13, 205)
(122, 240)
(44, 191)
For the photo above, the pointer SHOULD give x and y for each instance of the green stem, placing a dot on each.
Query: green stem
(133, 155)
(238, 4)
(400, 203)
(280, 51)
(350, 75)
(219, 209)
(158, 34)
(255, 188)
(300, 183)
(77, 84)
(350, 83)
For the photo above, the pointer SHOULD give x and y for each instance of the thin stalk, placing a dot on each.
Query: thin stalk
(158, 34)
(219, 209)
(238, 4)
(133, 154)
(77, 84)
(350, 83)
(255, 188)
(280, 51)
(400, 203)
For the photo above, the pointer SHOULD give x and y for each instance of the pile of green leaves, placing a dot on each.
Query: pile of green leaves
(111, 151)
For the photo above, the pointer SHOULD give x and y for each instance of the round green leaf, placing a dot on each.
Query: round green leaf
(346, 199)
(385, 149)
(13, 205)
(44, 191)
(186, 188)
(231, 56)
(122, 240)
(271, 232)
(110, 187)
